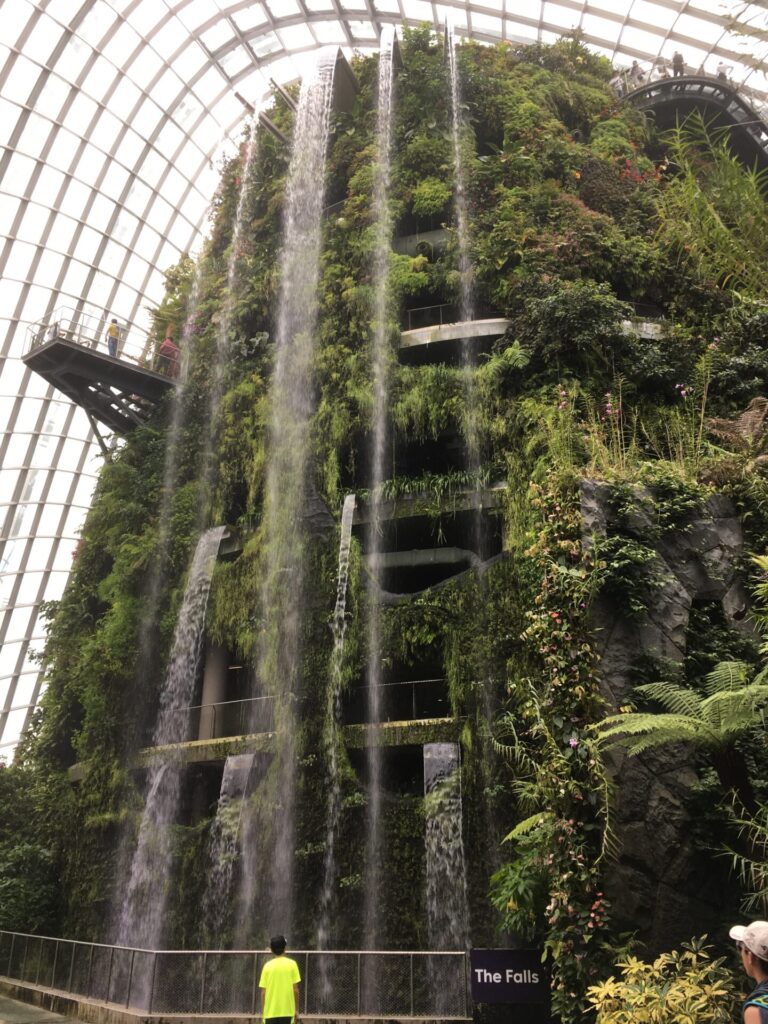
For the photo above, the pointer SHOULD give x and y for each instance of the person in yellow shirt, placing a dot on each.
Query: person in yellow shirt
(113, 333)
(279, 986)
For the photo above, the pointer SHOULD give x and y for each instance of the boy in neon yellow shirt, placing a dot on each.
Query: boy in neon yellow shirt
(279, 986)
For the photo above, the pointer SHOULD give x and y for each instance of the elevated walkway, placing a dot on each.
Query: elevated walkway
(410, 506)
(217, 749)
(445, 339)
(69, 352)
(672, 99)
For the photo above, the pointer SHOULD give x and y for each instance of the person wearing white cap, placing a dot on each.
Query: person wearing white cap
(752, 942)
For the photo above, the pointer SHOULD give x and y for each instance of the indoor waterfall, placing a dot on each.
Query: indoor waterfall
(292, 405)
(381, 357)
(467, 310)
(159, 564)
(224, 846)
(224, 332)
(142, 915)
(331, 736)
(446, 872)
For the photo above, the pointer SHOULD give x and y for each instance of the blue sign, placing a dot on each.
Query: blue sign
(508, 976)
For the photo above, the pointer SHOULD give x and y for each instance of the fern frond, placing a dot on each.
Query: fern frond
(729, 714)
(727, 675)
(678, 700)
(639, 731)
(528, 825)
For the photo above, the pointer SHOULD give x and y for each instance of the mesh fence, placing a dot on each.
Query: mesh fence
(334, 984)
(6, 946)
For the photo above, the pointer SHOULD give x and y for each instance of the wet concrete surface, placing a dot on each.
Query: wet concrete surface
(14, 1012)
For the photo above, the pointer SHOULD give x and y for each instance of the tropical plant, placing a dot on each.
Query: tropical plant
(712, 719)
(681, 987)
(749, 860)
(713, 212)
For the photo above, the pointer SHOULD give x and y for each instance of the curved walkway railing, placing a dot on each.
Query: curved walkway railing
(335, 984)
(707, 89)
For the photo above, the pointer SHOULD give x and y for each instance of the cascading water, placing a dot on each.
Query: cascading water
(466, 290)
(473, 460)
(159, 564)
(331, 736)
(446, 871)
(381, 357)
(223, 845)
(224, 332)
(292, 405)
(447, 914)
(143, 910)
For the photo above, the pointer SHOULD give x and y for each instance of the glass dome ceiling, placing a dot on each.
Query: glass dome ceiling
(116, 113)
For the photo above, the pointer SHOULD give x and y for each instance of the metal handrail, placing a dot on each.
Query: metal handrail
(84, 329)
(428, 309)
(90, 331)
(660, 69)
(160, 981)
(218, 708)
(222, 704)
(451, 317)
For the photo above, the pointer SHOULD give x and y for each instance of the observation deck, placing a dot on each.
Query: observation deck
(70, 351)
(721, 104)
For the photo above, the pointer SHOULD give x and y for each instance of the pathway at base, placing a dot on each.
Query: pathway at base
(13, 1012)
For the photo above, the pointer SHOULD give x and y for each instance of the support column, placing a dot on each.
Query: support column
(214, 691)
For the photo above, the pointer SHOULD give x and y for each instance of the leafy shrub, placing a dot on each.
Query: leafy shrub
(687, 987)
(430, 197)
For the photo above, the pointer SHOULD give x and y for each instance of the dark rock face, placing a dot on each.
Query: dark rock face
(318, 520)
(662, 887)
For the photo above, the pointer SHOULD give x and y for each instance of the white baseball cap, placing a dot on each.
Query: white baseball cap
(754, 936)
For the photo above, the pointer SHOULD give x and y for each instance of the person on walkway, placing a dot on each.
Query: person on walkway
(678, 65)
(113, 333)
(723, 70)
(279, 984)
(168, 357)
(752, 942)
(636, 75)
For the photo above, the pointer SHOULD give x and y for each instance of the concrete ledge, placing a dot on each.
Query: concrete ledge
(411, 506)
(651, 330)
(199, 751)
(419, 557)
(409, 245)
(454, 332)
(385, 734)
(403, 734)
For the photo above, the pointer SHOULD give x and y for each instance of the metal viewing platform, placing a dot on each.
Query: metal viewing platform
(71, 352)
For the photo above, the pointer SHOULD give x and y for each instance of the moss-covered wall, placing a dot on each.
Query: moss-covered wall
(566, 192)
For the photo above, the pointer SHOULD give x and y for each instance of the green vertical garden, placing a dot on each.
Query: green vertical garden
(586, 226)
